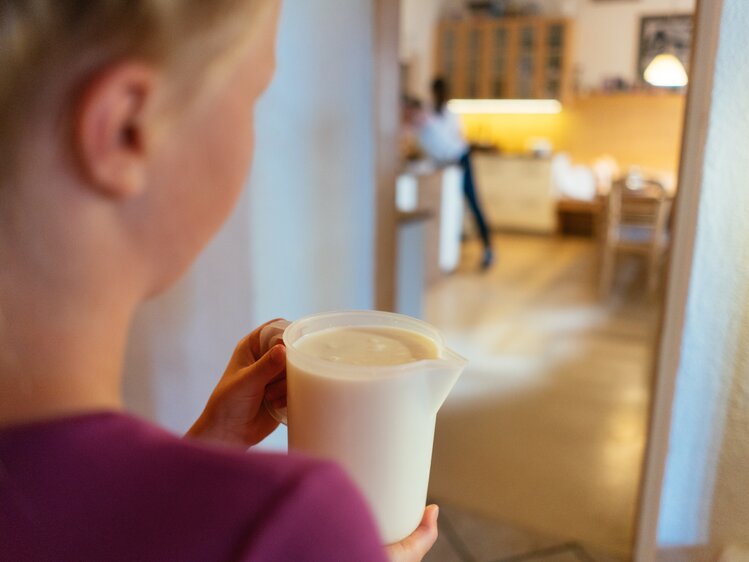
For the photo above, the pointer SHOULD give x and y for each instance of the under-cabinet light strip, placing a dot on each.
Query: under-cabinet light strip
(487, 106)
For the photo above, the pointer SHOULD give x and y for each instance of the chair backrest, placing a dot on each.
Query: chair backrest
(636, 202)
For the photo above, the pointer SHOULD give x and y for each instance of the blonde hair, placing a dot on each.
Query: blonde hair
(43, 40)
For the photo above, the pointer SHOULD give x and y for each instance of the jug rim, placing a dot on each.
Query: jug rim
(331, 368)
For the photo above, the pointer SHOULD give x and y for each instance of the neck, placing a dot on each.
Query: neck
(61, 344)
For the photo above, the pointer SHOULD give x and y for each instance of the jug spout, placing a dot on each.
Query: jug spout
(443, 376)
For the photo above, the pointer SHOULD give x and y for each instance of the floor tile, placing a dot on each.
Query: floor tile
(443, 550)
(466, 536)
(486, 539)
(563, 556)
(596, 555)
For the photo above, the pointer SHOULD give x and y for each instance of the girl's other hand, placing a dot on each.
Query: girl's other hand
(415, 546)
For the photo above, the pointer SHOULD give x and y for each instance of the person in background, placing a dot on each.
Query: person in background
(126, 131)
(441, 138)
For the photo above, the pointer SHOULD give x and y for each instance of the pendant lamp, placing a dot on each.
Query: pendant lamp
(666, 71)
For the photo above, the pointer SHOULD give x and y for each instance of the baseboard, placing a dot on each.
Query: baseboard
(700, 553)
(735, 553)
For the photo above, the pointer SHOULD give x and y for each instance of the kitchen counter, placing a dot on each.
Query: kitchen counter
(424, 186)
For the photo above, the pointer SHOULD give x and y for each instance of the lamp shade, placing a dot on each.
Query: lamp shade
(666, 71)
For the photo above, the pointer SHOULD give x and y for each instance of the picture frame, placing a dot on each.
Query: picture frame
(670, 33)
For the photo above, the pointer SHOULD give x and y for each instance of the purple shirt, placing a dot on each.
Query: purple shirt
(110, 487)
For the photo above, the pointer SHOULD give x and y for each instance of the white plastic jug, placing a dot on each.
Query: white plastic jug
(377, 422)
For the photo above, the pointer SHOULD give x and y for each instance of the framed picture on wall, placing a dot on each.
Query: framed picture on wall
(664, 34)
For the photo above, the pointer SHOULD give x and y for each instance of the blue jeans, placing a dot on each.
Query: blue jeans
(469, 190)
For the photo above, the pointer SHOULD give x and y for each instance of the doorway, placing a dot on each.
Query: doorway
(541, 445)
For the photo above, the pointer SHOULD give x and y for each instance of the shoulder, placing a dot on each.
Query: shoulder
(451, 117)
(322, 517)
(148, 495)
(281, 507)
(214, 469)
(290, 507)
(445, 119)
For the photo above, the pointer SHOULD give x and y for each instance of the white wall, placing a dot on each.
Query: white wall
(312, 188)
(418, 23)
(706, 491)
(606, 34)
(302, 237)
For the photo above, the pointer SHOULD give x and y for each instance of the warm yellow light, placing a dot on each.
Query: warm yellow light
(666, 71)
(510, 107)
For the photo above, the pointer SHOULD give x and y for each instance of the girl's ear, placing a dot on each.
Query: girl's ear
(110, 125)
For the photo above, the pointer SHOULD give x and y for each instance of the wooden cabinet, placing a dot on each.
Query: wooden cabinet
(518, 58)
(517, 192)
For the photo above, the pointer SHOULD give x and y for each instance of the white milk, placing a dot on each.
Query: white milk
(369, 413)
(368, 345)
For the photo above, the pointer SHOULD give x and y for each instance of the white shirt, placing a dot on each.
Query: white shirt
(441, 137)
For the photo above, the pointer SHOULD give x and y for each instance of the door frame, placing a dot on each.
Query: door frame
(386, 70)
(686, 209)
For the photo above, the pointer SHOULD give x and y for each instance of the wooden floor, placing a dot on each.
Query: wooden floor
(545, 431)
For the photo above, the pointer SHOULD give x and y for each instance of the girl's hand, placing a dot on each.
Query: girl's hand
(415, 546)
(235, 414)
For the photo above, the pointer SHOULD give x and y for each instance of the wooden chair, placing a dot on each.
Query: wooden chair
(635, 222)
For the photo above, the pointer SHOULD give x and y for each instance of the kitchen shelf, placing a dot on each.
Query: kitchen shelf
(506, 58)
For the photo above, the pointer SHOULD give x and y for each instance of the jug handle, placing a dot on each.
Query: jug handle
(278, 414)
(270, 335)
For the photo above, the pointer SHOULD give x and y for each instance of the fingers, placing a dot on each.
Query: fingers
(421, 540)
(249, 347)
(275, 393)
(415, 546)
(271, 365)
(269, 368)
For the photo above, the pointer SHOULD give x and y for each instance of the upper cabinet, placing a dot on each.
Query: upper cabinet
(521, 58)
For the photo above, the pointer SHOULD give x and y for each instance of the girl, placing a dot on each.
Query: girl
(126, 129)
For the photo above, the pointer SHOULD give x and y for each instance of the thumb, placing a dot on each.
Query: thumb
(415, 546)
